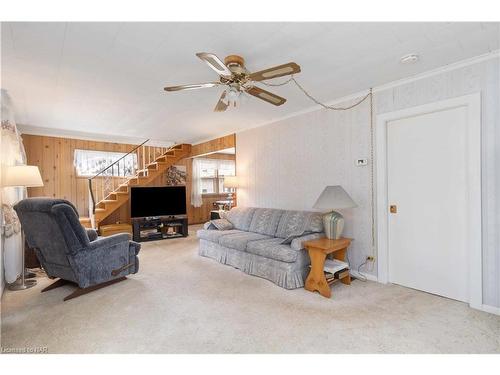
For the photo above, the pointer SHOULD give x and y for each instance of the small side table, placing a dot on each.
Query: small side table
(318, 251)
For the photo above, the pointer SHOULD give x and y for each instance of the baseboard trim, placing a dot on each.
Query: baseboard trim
(366, 276)
(487, 308)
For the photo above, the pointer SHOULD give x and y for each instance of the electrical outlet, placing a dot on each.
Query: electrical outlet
(370, 258)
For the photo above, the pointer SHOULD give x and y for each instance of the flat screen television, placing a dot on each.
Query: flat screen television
(158, 201)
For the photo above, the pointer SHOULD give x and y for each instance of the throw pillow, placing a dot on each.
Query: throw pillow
(222, 224)
(208, 225)
(291, 237)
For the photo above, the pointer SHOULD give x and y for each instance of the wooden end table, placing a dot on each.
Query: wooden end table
(318, 251)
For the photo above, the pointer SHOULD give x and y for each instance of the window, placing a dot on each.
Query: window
(88, 163)
(212, 172)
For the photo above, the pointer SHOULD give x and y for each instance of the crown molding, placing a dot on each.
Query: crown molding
(63, 133)
(385, 86)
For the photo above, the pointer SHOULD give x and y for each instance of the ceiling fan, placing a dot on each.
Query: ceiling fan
(237, 79)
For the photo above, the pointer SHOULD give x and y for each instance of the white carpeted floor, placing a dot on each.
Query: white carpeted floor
(182, 303)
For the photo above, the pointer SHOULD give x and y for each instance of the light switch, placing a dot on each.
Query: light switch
(361, 162)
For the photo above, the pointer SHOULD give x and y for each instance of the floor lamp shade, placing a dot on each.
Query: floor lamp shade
(334, 197)
(230, 181)
(22, 176)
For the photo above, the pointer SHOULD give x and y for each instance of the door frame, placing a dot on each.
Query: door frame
(473, 143)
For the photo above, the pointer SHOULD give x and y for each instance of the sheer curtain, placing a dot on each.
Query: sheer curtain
(196, 199)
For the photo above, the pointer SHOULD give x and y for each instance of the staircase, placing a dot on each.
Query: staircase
(110, 188)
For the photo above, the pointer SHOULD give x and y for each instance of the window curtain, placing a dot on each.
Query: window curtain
(226, 168)
(196, 199)
(11, 154)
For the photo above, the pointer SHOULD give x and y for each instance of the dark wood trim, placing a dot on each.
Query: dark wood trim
(56, 284)
(81, 291)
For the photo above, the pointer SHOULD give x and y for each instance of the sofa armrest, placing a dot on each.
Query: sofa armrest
(298, 243)
(92, 234)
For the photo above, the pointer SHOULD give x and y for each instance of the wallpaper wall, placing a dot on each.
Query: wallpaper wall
(288, 163)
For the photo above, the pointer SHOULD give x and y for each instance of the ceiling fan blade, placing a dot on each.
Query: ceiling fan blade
(215, 63)
(277, 71)
(191, 87)
(266, 95)
(221, 105)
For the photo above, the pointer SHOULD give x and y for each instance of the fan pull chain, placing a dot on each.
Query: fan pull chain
(372, 145)
(306, 93)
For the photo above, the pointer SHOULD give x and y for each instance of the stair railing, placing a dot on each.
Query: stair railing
(116, 175)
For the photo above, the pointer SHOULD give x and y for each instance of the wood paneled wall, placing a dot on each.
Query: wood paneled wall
(54, 156)
(214, 145)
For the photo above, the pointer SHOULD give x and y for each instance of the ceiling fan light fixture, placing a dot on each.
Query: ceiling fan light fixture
(237, 79)
(233, 94)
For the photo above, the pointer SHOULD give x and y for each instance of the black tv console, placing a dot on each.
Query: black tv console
(159, 228)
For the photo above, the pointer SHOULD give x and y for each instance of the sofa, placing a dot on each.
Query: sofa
(264, 242)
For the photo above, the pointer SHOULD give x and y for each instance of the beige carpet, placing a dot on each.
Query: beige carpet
(182, 303)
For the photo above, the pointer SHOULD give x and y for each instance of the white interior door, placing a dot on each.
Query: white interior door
(427, 182)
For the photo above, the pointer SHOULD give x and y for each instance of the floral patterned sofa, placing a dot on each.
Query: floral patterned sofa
(264, 242)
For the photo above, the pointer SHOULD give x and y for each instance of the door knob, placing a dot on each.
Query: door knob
(393, 208)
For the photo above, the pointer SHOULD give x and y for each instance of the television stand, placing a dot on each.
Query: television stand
(159, 228)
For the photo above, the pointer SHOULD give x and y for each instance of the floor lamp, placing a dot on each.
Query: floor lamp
(22, 176)
(231, 182)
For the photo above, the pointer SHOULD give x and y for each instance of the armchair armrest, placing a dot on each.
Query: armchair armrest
(104, 259)
(110, 241)
(92, 234)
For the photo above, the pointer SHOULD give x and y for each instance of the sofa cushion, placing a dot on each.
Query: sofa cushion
(272, 249)
(295, 223)
(239, 241)
(214, 235)
(240, 217)
(265, 221)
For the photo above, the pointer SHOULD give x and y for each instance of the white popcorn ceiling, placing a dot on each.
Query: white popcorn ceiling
(107, 78)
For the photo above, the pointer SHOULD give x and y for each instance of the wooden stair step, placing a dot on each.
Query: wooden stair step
(143, 177)
(105, 201)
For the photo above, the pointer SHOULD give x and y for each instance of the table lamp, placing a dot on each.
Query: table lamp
(334, 197)
(230, 182)
(22, 176)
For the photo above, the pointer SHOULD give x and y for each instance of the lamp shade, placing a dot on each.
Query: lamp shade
(230, 182)
(334, 197)
(22, 175)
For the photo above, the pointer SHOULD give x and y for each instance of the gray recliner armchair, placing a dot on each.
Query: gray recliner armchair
(70, 252)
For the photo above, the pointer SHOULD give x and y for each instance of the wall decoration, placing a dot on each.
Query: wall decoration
(176, 175)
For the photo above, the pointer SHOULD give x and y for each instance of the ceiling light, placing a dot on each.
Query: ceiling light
(409, 59)
(233, 94)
